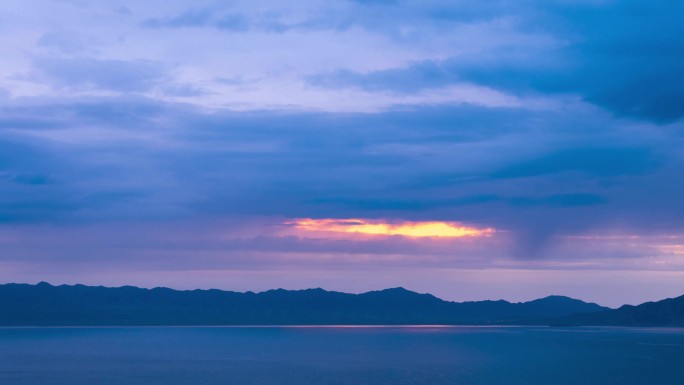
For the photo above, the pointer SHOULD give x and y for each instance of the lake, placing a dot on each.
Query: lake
(341, 355)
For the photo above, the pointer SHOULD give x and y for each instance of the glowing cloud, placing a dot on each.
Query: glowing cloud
(379, 227)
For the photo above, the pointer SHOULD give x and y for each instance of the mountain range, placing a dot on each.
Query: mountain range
(45, 304)
(78, 305)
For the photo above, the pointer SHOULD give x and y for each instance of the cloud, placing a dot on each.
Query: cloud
(598, 161)
(27, 179)
(225, 21)
(189, 18)
(123, 11)
(376, 2)
(248, 164)
(417, 77)
(595, 50)
(68, 42)
(109, 75)
(449, 163)
(560, 200)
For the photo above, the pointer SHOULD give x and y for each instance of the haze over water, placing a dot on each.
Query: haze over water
(341, 355)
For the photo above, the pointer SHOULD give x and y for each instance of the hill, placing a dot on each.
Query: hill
(668, 312)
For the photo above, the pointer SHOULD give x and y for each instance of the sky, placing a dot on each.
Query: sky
(473, 150)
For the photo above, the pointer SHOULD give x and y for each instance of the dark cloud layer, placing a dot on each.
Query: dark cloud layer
(444, 164)
(623, 56)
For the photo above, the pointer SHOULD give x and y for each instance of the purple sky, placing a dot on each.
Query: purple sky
(177, 143)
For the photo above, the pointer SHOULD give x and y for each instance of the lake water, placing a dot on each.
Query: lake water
(354, 356)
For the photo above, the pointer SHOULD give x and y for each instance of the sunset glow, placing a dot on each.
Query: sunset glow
(379, 227)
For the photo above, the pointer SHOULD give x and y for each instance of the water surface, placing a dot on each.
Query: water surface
(341, 355)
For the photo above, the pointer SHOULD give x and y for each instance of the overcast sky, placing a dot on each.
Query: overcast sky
(183, 143)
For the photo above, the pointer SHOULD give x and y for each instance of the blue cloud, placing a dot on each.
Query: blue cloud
(227, 21)
(189, 18)
(67, 42)
(419, 76)
(89, 73)
(376, 2)
(198, 18)
(602, 52)
(560, 200)
(28, 179)
(597, 161)
(486, 166)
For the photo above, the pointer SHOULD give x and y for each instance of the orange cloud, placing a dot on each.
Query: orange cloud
(379, 227)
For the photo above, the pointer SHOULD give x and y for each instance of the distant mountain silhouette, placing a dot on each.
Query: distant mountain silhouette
(44, 304)
(668, 312)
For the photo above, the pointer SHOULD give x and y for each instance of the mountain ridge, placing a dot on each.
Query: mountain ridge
(77, 305)
(312, 289)
(664, 313)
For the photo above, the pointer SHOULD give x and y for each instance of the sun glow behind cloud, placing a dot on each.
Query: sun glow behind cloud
(380, 227)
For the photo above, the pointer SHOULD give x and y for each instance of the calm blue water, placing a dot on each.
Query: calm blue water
(354, 356)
